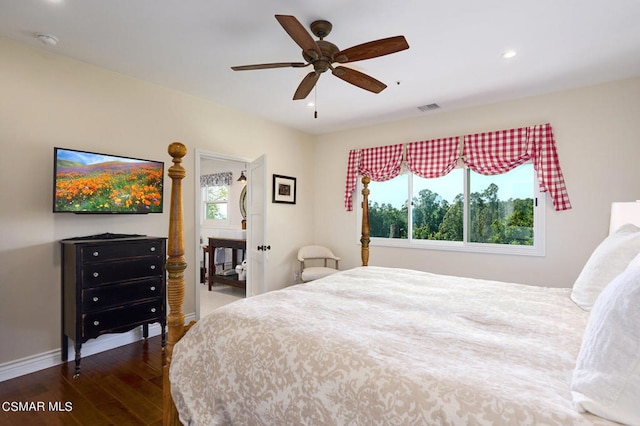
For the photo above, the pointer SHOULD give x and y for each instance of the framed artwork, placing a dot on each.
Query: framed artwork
(284, 189)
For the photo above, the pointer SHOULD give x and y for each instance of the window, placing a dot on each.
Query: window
(436, 207)
(215, 197)
(215, 200)
(462, 210)
(491, 205)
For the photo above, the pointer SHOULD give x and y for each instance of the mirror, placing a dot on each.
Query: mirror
(243, 203)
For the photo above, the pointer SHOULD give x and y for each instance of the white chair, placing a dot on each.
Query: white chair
(310, 257)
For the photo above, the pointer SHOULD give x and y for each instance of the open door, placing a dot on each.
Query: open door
(257, 251)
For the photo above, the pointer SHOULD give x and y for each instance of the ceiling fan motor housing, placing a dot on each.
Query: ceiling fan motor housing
(323, 62)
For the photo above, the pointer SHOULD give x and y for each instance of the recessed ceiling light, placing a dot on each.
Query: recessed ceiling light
(310, 104)
(509, 54)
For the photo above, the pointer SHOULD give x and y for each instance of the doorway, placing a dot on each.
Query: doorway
(220, 212)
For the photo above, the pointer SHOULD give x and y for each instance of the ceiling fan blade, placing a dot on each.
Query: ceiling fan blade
(306, 85)
(267, 66)
(359, 79)
(300, 35)
(372, 49)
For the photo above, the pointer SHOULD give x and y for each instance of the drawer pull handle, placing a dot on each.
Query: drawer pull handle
(96, 254)
(152, 249)
(95, 299)
(95, 275)
(153, 266)
(153, 289)
(153, 309)
(96, 323)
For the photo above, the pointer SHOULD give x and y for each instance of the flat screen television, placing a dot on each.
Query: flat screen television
(90, 182)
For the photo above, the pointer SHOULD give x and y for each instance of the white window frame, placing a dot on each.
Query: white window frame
(204, 202)
(537, 249)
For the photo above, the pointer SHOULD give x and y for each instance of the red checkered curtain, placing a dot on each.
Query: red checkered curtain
(434, 158)
(498, 152)
(546, 163)
(352, 178)
(379, 163)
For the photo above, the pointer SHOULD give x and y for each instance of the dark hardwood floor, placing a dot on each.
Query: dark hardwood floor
(122, 386)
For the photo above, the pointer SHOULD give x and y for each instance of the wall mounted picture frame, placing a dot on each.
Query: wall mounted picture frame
(284, 189)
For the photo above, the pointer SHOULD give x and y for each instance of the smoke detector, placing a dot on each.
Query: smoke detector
(47, 39)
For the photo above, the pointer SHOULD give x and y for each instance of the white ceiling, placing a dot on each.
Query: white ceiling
(454, 59)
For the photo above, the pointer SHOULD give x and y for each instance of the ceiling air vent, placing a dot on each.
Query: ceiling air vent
(430, 107)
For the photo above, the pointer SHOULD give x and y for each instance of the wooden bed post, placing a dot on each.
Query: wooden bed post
(176, 265)
(364, 239)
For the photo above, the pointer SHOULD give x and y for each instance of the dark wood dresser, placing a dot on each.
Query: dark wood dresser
(111, 283)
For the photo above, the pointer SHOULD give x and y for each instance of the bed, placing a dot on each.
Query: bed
(374, 345)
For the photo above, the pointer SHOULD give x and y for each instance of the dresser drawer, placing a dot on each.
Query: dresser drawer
(95, 274)
(96, 253)
(97, 323)
(109, 296)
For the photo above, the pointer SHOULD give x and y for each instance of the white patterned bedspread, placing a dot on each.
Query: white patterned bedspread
(384, 346)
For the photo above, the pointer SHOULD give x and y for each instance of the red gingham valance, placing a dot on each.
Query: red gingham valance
(434, 158)
(379, 163)
(486, 153)
(498, 152)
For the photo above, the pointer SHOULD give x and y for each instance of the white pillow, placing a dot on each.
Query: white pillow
(606, 379)
(607, 261)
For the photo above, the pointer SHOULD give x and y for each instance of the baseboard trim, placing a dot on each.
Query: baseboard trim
(31, 364)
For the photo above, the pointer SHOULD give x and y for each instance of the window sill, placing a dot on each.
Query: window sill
(460, 247)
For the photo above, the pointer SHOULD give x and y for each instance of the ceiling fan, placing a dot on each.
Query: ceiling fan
(322, 54)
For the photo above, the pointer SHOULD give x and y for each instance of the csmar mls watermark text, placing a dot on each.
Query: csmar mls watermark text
(26, 406)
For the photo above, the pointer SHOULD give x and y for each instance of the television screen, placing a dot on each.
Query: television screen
(89, 182)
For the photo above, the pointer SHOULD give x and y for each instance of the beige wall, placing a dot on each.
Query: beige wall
(597, 132)
(48, 100)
